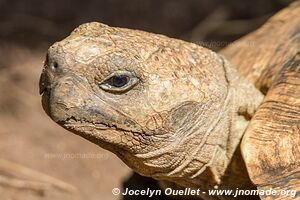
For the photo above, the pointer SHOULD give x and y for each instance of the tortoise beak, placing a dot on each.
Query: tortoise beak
(43, 83)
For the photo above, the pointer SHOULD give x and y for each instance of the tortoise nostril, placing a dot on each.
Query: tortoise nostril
(54, 66)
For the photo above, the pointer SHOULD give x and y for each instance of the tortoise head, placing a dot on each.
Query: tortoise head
(167, 108)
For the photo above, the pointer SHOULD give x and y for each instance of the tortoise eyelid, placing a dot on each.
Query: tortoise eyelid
(132, 80)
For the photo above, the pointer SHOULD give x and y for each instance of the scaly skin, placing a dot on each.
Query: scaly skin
(181, 119)
(271, 144)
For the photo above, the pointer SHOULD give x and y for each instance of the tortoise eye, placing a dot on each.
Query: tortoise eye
(119, 82)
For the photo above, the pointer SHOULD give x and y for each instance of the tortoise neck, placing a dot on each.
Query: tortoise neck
(235, 178)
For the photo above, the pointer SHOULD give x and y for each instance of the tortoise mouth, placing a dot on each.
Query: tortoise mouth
(107, 136)
(73, 123)
(81, 125)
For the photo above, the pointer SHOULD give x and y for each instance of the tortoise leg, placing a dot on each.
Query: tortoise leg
(271, 145)
(269, 58)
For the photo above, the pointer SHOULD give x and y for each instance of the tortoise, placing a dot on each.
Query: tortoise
(180, 113)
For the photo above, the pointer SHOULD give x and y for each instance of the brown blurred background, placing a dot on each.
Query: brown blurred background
(30, 143)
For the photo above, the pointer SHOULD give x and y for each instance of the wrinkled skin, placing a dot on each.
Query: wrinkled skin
(180, 117)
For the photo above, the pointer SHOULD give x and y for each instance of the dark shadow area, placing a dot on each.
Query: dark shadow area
(34, 23)
(138, 182)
